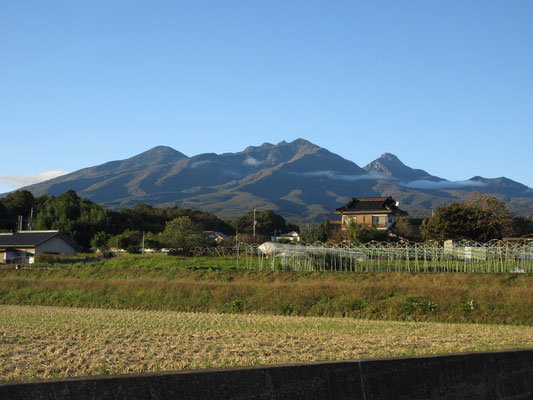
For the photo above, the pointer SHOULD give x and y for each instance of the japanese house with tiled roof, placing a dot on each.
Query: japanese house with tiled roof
(370, 211)
(21, 247)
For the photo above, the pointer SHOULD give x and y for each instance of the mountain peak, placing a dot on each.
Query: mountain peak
(297, 144)
(391, 166)
(264, 146)
(156, 156)
(162, 148)
(389, 156)
(302, 142)
(505, 184)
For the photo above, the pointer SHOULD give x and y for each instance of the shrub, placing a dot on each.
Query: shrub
(469, 305)
(236, 305)
(133, 249)
(286, 309)
(358, 305)
(55, 259)
(412, 304)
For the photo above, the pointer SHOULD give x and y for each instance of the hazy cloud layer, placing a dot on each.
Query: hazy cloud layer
(198, 163)
(423, 184)
(19, 181)
(341, 177)
(252, 161)
(420, 184)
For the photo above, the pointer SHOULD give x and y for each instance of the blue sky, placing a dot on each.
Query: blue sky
(446, 86)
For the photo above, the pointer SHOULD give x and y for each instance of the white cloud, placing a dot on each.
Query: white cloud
(198, 163)
(341, 177)
(252, 161)
(431, 185)
(420, 184)
(18, 181)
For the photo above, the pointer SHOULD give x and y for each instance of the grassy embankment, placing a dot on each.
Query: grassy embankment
(40, 342)
(225, 285)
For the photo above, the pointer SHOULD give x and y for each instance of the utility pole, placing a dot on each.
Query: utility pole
(255, 222)
(143, 245)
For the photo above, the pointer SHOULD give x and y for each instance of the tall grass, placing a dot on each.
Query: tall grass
(185, 284)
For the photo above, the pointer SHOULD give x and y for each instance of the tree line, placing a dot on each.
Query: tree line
(90, 224)
(478, 218)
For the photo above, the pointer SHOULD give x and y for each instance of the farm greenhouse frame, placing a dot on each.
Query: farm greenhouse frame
(493, 257)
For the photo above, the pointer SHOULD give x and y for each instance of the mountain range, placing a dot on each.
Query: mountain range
(299, 180)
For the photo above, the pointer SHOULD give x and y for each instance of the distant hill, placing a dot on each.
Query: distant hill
(300, 180)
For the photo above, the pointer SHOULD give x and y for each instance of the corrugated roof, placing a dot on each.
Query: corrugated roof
(30, 238)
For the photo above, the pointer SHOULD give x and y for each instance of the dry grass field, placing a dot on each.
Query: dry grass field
(40, 342)
(150, 284)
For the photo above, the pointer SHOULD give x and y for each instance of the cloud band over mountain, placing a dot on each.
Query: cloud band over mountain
(443, 185)
(18, 180)
(341, 177)
(418, 184)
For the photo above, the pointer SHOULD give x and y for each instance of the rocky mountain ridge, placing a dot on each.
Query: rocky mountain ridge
(300, 180)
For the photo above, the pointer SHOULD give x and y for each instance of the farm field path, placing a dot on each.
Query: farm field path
(42, 342)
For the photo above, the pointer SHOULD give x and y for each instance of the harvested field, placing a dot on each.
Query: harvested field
(40, 342)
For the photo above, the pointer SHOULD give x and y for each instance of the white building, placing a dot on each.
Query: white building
(21, 247)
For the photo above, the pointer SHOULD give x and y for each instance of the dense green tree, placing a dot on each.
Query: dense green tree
(363, 234)
(403, 227)
(206, 220)
(143, 217)
(151, 241)
(128, 239)
(3, 210)
(520, 226)
(7, 221)
(100, 241)
(78, 218)
(267, 222)
(82, 220)
(480, 218)
(149, 219)
(19, 203)
(318, 234)
(183, 234)
(494, 214)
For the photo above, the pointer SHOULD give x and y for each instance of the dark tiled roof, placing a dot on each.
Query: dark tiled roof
(30, 238)
(371, 204)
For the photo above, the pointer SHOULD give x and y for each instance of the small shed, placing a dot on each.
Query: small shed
(21, 247)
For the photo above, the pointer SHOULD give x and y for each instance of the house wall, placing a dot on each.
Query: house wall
(385, 220)
(55, 245)
(18, 256)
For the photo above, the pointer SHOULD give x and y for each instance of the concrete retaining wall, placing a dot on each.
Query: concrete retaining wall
(495, 375)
